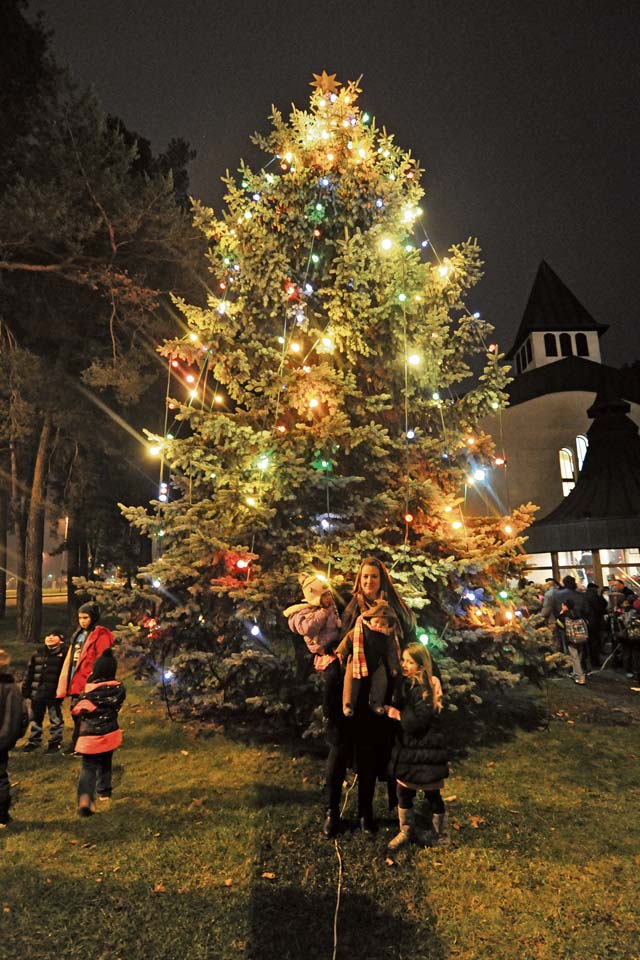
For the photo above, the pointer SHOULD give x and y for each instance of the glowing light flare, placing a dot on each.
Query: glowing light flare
(457, 524)
(408, 518)
(386, 243)
(250, 501)
(295, 347)
(313, 403)
(414, 359)
(508, 528)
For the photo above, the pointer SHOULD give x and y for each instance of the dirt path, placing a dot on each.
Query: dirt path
(606, 698)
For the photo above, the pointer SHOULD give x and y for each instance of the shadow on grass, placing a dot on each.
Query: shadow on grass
(289, 923)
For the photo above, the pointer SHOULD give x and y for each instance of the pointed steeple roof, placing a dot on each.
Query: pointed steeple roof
(603, 509)
(552, 307)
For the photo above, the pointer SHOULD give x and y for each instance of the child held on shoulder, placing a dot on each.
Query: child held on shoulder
(316, 620)
(419, 756)
(370, 649)
(40, 685)
(98, 732)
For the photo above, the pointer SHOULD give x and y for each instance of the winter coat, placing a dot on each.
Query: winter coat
(580, 604)
(318, 625)
(14, 718)
(419, 755)
(99, 640)
(97, 710)
(41, 679)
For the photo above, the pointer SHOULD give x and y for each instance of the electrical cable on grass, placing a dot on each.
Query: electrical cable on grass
(339, 890)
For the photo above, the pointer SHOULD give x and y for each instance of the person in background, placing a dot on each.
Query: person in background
(14, 720)
(40, 685)
(596, 622)
(566, 617)
(88, 643)
(98, 733)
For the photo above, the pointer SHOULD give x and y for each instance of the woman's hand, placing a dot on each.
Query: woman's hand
(391, 712)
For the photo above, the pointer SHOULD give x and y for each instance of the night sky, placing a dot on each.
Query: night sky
(525, 116)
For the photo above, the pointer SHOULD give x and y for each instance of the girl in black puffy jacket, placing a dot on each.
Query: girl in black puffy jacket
(419, 757)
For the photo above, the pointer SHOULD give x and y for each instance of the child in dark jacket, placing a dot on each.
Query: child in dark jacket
(39, 686)
(419, 756)
(98, 732)
(13, 724)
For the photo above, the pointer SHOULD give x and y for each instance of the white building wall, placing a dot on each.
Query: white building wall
(531, 435)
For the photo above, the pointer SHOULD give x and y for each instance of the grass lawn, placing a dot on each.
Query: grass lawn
(212, 849)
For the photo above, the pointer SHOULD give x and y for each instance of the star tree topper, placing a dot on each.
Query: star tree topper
(325, 82)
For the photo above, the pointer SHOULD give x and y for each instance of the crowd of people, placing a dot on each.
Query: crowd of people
(595, 626)
(82, 671)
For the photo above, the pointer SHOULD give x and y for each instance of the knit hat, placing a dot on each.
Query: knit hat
(313, 588)
(104, 668)
(569, 583)
(55, 632)
(5, 659)
(382, 610)
(92, 609)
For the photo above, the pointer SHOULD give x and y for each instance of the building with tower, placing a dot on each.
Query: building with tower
(542, 438)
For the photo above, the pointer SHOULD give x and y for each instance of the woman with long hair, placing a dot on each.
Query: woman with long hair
(364, 739)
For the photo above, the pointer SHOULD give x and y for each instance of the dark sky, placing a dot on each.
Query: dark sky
(524, 114)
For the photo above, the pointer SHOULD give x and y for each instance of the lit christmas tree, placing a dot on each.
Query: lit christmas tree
(315, 414)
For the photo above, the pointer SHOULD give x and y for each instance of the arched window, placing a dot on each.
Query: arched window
(565, 345)
(567, 471)
(529, 352)
(518, 367)
(581, 449)
(550, 345)
(582, 347)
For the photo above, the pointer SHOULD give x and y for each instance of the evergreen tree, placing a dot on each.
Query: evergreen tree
(91, 240)
(324, 408)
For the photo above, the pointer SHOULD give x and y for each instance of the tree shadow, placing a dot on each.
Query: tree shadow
(290, 923)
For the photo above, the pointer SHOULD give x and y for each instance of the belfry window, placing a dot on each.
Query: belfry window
(582, 346)
(565, 345)
(550, 345)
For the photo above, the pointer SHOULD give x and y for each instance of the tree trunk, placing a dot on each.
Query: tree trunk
(32, 612)
(73, 564)
(18, 505)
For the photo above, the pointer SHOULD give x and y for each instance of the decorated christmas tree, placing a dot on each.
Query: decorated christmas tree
(323, 406)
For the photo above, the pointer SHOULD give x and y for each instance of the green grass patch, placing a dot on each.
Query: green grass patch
(212, 849)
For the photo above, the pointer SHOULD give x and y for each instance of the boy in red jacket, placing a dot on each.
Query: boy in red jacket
(98, 733)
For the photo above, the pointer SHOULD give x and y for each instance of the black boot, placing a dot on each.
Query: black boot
(331, 825)
(367, 823)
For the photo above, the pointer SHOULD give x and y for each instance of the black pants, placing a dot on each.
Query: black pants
(337, 763)
(5, 795)
(433, 797)
(95, 774)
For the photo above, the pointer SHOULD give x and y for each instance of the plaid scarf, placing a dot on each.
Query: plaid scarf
(359, 660)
